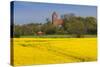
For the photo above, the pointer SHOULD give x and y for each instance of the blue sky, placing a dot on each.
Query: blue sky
(27, 12)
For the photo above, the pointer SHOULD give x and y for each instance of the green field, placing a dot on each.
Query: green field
(59, 36)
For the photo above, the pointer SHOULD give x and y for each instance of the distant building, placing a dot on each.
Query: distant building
(56, 20)
(40, 33)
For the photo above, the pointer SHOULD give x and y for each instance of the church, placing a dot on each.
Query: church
(56, 20)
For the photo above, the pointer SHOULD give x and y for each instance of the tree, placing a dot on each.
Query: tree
(75, 27)
(91, 25)
(48, 28)
(17, 31)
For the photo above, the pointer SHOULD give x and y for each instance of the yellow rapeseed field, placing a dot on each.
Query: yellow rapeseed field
(29, 51)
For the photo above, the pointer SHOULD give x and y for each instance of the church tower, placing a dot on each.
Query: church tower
(54, 18)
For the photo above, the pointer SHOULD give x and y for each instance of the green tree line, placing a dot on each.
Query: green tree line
(73, 25)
